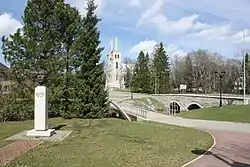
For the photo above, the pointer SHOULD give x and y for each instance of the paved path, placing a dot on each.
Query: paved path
(232, 147)
(15, 149)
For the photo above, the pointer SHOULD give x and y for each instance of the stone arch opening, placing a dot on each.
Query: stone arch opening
(175, 108)
(193, 107)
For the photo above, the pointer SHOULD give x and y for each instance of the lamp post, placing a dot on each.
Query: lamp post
(131, 78)
(221, 75)
(155, 80)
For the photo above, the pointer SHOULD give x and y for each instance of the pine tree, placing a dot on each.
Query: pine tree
(146, 87)
(43, 44)
(136, 85)
(161, 70)
(127, 78)
(188, 72)
(92, 98)
(141, 78)
(128, 74)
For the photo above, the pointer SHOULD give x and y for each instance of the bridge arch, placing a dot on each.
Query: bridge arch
(193, 106)
(174, 107)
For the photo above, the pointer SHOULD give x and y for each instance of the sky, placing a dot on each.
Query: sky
(181, 25)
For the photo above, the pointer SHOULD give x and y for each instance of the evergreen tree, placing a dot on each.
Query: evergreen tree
(161, 70)
(136, 85)
(146, 87)
(128, 74)
(141, 78)
(43, 44)
(127, 78)
(90, 90)
(188, 72)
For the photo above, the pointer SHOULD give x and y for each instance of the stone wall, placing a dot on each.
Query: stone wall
(203, 101)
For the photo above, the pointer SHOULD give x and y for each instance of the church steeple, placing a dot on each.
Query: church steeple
(111, 45)
(115, 46)
(114, 79)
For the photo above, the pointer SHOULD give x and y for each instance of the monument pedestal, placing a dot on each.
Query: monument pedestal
(41, 114)
(41, 133)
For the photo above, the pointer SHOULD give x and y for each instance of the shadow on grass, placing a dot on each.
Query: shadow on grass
(58, 127)
(222, 158)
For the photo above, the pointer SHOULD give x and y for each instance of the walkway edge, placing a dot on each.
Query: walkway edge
(200, 156)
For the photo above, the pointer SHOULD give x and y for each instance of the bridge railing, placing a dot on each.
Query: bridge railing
(135, 111)
(142, 113)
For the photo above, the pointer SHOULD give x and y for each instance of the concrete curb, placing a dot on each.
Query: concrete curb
(197, 158)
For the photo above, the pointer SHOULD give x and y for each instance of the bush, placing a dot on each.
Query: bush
(15, 109)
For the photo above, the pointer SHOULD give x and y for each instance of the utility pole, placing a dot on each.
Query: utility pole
(244, 70)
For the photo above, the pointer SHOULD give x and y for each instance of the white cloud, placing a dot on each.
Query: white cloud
(145, 46)
(153, 10)
(135, 3)
(149, 46)
(173, 50)
(223, 32)
(153, 16)
(8, 24)
(234, 11)
(238, 37)
(214, 32)
(81, 5)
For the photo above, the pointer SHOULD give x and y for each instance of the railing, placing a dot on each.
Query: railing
(236, 97)
(121, 110)
(135, 111)
(142, 113)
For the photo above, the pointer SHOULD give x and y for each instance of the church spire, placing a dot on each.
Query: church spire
(115, 47)
(111, 45)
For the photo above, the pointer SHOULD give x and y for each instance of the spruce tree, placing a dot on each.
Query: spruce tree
(128, 74)
(141, 78)
(92, 98)
(146, 87)
(137, 74)
(161, 70)
(127, 77)
(41, 45)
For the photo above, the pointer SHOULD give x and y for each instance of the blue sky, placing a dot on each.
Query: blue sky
(182, 25)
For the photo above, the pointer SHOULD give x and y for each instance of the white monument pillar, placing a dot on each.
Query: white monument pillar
(41, 114)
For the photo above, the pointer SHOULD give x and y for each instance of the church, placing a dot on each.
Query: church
(114, 67)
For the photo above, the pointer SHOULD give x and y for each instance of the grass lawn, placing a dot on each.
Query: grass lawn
(158, 105)
(123, 90)
(228, 113)
(112, 142)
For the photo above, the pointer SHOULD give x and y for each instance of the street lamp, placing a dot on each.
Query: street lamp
(131, 78)
(221, 75)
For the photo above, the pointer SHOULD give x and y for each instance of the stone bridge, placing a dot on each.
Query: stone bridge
(186, 102)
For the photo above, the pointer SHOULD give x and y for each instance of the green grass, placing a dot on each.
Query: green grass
(8, 129)
(158, 105)
(228, 113)
(112, 142)
(123, 90)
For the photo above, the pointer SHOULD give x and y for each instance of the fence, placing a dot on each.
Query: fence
(142, 113)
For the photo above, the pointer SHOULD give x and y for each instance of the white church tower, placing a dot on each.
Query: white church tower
(114, 66)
